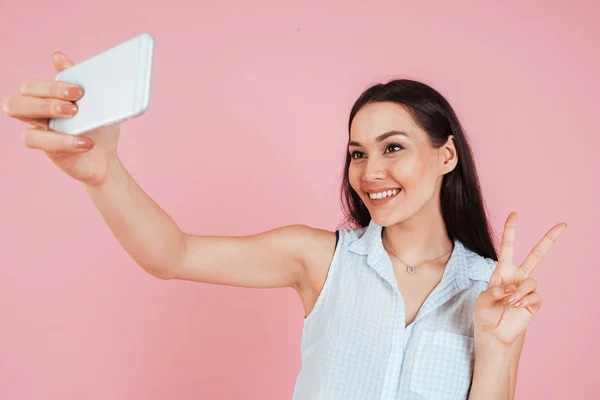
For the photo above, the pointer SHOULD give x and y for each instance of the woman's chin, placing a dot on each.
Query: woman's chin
(385, 219)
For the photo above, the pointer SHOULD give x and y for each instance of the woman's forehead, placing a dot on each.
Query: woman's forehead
(376, 119)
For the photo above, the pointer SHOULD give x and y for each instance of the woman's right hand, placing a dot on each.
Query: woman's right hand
(84, 157)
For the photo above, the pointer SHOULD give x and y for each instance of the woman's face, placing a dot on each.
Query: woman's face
(394, 168)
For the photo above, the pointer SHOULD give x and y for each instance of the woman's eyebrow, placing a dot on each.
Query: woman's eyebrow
(381, 137)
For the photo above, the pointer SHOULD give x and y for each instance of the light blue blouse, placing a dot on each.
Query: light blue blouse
(355, 344)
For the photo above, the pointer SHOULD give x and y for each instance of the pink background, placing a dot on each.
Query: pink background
(246, 131)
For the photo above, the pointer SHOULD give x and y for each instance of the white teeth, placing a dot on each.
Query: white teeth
(383, 195)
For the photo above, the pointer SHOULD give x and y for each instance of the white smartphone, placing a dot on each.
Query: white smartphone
(116, 85)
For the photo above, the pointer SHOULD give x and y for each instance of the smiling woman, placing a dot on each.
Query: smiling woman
(409, 130)
(381, 195)
(411, 302)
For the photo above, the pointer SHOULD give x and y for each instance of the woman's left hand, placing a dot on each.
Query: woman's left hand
(507, 306)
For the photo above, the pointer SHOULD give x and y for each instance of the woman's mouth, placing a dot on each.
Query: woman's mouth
(382, 197)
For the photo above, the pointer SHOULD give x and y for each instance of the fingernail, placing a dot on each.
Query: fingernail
(517, 304)
(73, 92)
(83, 143)
(510, 289)
(66, 109)
(510, 300)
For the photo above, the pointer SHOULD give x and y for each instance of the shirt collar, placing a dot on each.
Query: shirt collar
(462, 266)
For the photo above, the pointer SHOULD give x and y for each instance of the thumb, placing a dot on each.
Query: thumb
(489, 297)
(61, 61)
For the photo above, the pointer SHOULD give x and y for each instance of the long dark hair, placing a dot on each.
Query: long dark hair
(461, 200)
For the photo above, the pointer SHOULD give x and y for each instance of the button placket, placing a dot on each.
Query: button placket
(394, 364)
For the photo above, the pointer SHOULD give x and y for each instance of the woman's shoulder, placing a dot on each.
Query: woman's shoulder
(319, 249)
(479, 268)
(324, 238)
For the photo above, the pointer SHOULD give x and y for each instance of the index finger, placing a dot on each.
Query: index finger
(51, 89)
(507, 244)
(541, 248)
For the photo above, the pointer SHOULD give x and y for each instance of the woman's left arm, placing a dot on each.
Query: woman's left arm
(495, 370)
(514, 365)
(502, 313)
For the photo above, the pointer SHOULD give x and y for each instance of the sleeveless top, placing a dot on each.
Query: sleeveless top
(355, 342)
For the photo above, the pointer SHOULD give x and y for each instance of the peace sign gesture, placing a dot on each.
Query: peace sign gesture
(510, 301)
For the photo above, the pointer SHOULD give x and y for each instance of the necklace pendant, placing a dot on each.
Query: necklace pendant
(410, 270)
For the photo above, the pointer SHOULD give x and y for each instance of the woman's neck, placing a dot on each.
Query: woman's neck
(420, 238)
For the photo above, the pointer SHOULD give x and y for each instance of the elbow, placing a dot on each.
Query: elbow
(165, 263)
(169, 265)
(164, 274)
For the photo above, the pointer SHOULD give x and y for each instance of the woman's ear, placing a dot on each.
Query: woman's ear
(448, 155)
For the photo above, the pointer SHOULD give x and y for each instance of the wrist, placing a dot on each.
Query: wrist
(113, 173)
(488, 347)
(492, 368)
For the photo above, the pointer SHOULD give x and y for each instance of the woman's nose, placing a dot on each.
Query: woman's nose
(374, 172)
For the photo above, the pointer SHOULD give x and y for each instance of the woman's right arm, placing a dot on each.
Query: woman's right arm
(275, 258)
(295, 256)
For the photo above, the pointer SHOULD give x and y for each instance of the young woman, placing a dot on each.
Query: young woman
(410, 302)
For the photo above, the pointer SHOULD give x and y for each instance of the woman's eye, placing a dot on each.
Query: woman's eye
(390, 148)
(357, 154)
(393, 147)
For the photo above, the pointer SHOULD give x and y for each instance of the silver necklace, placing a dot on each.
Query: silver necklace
(409, 268)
